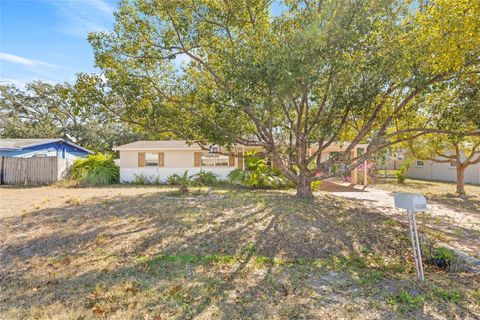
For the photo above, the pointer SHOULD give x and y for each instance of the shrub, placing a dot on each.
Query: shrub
(257, 174)
(400, 174)
(316, 185)
(141, 179)
(183, 181)
(205, 178)
(446, 258)
(95, 169)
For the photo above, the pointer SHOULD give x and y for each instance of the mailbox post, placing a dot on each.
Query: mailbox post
(413, 203)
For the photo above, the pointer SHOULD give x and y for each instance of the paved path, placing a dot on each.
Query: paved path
(461, 227)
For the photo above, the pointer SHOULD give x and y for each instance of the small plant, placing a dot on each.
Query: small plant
(96, 169)
(401, 173)
(445, 294)
(156, 181)
(400, 176)
(316, 185)
(183, 181)
(205, 179)
(250, 248)
(141, 179)
(262, 260)
(445, 258)
(406, 301)
(442, 257)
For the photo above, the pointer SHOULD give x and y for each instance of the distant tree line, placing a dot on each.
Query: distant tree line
(44, 110)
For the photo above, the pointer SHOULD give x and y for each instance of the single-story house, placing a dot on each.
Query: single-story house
(431, 170)
(26, 148)
(37, 161)
(161, 159)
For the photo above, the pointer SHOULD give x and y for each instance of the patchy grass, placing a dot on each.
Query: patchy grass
(139, 253)
(445, 294)
(405, 301)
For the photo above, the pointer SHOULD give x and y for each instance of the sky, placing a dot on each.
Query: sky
(47, 39)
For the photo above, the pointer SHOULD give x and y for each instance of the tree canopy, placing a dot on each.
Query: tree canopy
(454, 108)
(293, 83)
(44, 110)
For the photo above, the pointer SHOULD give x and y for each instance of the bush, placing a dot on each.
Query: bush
(205, 178)
(95, 169)
(400, 174)
(443, 257)
(257, 174)
(183, 181)
(141, 179)
(316, 185)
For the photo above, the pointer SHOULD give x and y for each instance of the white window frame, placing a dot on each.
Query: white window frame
(151, 161)
(215, 157)
(419, 166)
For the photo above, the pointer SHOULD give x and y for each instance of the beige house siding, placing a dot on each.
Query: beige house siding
(175, 162)
(129, 159)
(172, 158)
(179, 157)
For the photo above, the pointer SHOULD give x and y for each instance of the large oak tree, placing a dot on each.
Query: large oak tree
(317, 73)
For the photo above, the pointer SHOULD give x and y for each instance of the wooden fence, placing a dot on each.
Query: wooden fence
(29, 171)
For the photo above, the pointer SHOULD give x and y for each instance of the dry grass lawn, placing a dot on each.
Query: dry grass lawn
(438, 191)
(145, 253)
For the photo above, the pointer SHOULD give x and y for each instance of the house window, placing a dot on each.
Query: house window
(214, 160)
(151, 159)
(420, 163)
(453, 163)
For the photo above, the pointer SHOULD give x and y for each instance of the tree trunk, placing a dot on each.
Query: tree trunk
(304, 190)
(460, 180)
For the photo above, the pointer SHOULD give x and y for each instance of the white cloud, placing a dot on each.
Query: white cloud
(103, 6)
(79, 17)
(22, 60)
(16, 59)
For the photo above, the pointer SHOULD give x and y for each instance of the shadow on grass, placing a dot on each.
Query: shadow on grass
(453, 201)
(79, 255)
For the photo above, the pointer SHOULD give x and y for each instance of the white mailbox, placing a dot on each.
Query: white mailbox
(411, 202)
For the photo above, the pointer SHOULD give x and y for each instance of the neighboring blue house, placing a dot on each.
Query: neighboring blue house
(26, 148)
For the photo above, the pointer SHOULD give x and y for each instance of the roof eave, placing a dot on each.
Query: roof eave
(53, 141)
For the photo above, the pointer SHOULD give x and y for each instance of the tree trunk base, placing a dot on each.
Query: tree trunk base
(304, 192)
(460, 189)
